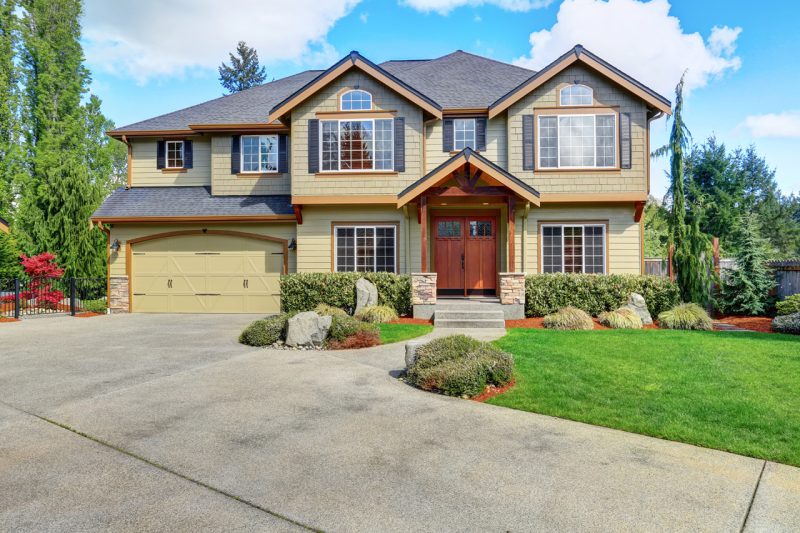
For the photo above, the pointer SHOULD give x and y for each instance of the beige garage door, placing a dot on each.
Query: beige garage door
(206, 274)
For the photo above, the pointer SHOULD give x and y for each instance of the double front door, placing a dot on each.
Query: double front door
(465, 254)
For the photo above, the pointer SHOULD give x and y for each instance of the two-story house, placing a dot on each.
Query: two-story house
(459, 165)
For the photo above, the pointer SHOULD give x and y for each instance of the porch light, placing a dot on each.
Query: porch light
(293, 245)
(115, 246)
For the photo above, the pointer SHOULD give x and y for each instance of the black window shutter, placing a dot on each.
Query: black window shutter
(480, 134)
(188, 154)
(161, 154)
(283, 154)
(625, 140)
(313, 145)
(447, 135)
(400, 144)
(527, 142)
(236, 154)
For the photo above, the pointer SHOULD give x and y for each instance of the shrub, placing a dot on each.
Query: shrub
(361, 339)
(595, 293)
(460, 366)
(346, 326)
(304, 291)
(787, 324)
(685, 316)
(376, 314)
(329, 310)
(570, 318)
(266, 331)
(622, 318)
(789, 305)
(94, 306)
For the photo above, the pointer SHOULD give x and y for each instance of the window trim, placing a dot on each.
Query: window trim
(474, 133)
(573, 223)
(166, 154)
(364, 224)
(354, 90)
(559, 112)
(568, 85)
(241, 155)
(340, 170)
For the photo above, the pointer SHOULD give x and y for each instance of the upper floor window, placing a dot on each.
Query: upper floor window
(259, 153)
(463, 133)
(576, 95)
(356, 100)
(357, 144)
(577, 141)
(174, 151)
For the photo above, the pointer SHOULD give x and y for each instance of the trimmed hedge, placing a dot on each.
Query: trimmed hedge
(304, 291)
(787, 324)
(595, 293)
(789, 305)
(95, 306)
(266, 331)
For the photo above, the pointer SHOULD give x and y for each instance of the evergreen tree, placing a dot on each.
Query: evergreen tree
(244, 71)
(10, 153)
(656, 228)
(745, 289)
(9, 257)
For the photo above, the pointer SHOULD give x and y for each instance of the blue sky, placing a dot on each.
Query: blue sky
(743, 76)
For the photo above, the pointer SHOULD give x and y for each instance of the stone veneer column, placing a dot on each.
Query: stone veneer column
(423, 294)
(512, 294)
(119, 297)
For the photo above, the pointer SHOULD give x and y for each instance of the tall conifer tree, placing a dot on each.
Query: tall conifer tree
(10, 160)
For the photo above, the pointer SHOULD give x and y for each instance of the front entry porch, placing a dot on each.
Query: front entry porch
(465, 253)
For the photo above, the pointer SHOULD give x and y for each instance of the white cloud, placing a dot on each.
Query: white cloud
(783, 125)
(640, 38)
(143, 39)
(443, 7)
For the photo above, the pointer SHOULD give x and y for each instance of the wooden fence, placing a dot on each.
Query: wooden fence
(787, 276)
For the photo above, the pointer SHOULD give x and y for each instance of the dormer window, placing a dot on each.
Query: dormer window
(174, 154)
(356, 100)
(576, 94)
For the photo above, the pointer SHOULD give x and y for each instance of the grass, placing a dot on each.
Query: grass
(400, 332)
(730, 391)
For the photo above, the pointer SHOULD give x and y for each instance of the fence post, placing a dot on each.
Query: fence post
(16, 298)
(72, 296)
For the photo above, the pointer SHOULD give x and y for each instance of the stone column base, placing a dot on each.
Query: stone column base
(119, 298)
(423, 294)
(512, 294)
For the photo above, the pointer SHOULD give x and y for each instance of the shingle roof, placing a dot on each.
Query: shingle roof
(187, 202)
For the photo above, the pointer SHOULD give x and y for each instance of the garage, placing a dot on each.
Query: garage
(207, 272)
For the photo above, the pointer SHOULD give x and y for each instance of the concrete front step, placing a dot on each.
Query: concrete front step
(472, 323)
(464, 314)
(469, 313)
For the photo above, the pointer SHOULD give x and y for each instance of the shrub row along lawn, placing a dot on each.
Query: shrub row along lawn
(401, 332)
(731, 391)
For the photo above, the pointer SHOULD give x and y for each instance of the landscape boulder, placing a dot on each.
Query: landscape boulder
(307, 329)
(366, 294)
(637, 304)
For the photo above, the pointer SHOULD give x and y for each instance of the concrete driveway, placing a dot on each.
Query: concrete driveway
(164, 422)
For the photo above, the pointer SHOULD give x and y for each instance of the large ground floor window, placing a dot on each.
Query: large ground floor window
(574, 248)
(365, 248)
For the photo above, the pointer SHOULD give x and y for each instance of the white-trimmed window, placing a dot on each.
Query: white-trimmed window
(365, 248)
(576, 95)
(174, 151)
(357, 145)
(578, 141)
(574, 248)
(355, 100)
(463, 133)
(259, 153)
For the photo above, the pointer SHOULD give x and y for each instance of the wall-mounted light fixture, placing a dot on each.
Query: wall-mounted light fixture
(293, 245)
(115, 246)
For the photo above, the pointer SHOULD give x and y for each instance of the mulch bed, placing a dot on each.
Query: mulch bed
(409, 320)
(538, 323)
(87, 314)
(761, 324)
(8, 319)
(491, 391)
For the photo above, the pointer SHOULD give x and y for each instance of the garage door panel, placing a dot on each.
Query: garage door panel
(188, 264)
(257, 303)
(265, 284)
(228, 263)
(189, 284)
(269, 262)
(186, 303)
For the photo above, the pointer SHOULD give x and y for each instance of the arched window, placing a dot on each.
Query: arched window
(576, 94)
(356, 100)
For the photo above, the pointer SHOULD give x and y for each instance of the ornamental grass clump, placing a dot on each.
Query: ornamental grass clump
(458, 365)
(685, 316)
(329, 310)
(376, 314)
(789, 305)
(346, 326)
(622, 318)
(569, 318)
(265, 332)
(787, 324)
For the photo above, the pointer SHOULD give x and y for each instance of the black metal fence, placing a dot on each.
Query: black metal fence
(20, 297)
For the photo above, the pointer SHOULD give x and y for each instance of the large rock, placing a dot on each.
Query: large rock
(307, 329)
(366, 294)
(637, 304)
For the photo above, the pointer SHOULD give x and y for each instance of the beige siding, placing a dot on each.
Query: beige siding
(606, 94)
(224, 183)
(496, 143)
(124, 232)
(624, 244)
(326, 100)
(145, 174)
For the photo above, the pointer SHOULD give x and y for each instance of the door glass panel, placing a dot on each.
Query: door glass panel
(448, 229)
(480, 228)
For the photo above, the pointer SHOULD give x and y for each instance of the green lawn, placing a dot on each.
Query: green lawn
(738, 392)
(400, 332)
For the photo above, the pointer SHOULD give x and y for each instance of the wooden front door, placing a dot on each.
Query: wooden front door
(465, 254)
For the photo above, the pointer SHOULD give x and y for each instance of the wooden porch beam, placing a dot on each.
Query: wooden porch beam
(423, 230)
(478, 191)
(511, 245)
(638, 210)
(298, 213)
